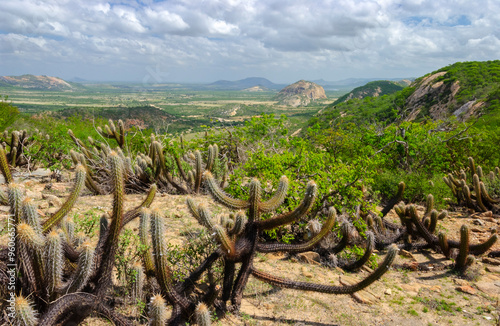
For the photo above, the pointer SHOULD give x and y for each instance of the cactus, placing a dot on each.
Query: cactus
(202, 315)
(157, 311)
(25, 314)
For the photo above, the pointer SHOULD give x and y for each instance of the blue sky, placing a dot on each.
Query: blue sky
(282, 40)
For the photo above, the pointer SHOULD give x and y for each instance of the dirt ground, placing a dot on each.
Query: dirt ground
(420, 289)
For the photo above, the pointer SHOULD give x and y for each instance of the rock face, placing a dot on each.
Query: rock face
(438, 100)
(300, 93)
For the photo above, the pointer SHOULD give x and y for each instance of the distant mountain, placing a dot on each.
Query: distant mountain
(245, 84)
(37, 82)
(300, 93)
(371, 89)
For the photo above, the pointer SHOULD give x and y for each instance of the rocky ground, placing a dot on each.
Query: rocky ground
(420, 289)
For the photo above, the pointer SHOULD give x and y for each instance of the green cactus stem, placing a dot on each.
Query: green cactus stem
(29, 236)
(16, 196)
(30, 214)
(305, 286)
(24, 312)
(116, 223)
(290, 217)
(443, 243)
(220, 196)
(278, 198)
(157, 311)
(477, 190)
(4, 166)
(147, 258)
(202, 315)
(70, 201)
(53, 261)
(295, 248)
(227, 244)
(464, 247)
(138, 284)
(370, 246)
(163, 272)
(84, 269)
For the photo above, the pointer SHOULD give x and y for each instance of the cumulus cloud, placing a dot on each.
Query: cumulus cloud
(282, 40)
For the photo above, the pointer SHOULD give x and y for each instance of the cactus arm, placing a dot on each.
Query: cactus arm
(143, 237)
(4, 166)
(163, 272)
(220, 196)
(198, 171)
(477, 190)
(305, 286)
(481, 248)
(202, 315)
(370, 240)
(396, 199)
(66, 207)
(464, 247)
(54, 262)
(254, 200)
(25, 314)
(278, 197)
(111, 243)
(83, 271)
(287, 218)
(132, 214)
(158, 311)
(294, 248)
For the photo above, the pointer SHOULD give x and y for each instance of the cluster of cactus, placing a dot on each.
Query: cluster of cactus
(169, 172)
(239, 237)
(474, 195)
(16, 143)
(414, 228)
(66, 277)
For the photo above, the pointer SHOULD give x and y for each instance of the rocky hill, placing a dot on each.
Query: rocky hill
(464, 90)
(37, 82)
(300, 93)
(371, 89)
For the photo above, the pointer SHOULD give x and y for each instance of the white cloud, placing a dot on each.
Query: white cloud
(277, 39)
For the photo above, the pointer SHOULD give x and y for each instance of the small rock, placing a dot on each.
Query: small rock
(388, 291)
(459, 281)
(52, 200)
(493, 269)
(490, 288)
(487, 214)
(51, 211)
(412, 288)
(491, 261)
(435, 288)
(309, 257)
(466, 289)
(306, 273)
(478, 222)
(407, 254)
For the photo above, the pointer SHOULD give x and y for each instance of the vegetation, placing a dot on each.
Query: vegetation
(256, 160)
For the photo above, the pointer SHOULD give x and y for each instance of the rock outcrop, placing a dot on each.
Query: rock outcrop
(37, 82)
(300, 93)
(438, 99)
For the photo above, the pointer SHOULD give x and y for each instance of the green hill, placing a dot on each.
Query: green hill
(464, 90)
(371, 89)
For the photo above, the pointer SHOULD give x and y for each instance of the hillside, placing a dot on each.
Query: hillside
(371, 89)
(463, 90)
(300, 93)
(37, 82)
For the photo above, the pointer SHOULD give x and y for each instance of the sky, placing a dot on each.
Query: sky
(200, 41)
